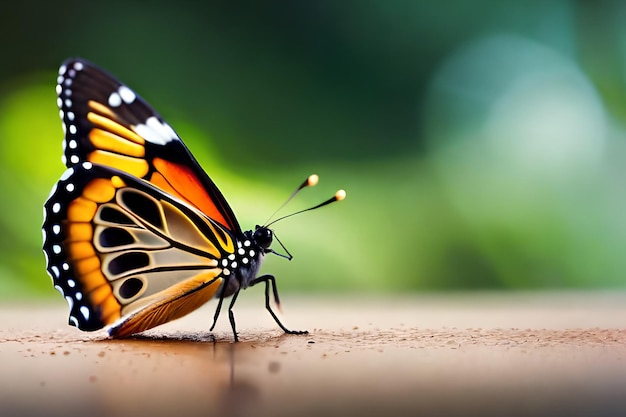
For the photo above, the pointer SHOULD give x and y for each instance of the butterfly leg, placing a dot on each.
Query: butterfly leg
(231, 315)
(269, 280)
(218, 310)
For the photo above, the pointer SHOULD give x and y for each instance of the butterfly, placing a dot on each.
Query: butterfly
(136, 234)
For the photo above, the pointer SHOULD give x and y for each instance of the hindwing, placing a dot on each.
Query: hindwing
(122, 250)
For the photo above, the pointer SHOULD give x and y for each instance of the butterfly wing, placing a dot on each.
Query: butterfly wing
(106, 123)
(121, 250)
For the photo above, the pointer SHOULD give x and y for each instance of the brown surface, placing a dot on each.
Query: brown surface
(483, 355)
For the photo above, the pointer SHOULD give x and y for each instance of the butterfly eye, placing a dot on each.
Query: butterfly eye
(263, 237)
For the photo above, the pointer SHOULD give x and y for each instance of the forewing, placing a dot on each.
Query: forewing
(107, 123)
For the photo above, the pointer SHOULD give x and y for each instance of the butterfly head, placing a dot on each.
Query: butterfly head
(263, 237)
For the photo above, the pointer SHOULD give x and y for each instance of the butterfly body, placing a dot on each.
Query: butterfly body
(136, 234)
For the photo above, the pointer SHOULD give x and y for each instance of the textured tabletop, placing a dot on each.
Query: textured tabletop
(471, 354)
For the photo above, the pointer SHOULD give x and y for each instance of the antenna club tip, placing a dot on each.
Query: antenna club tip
(312, 180)
(340, 195)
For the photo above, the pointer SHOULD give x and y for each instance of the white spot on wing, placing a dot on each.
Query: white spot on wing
(68, 173)
(115, 100)
(74, 159)
(55, 271)
(169, 131)
(78, 66)
(159, 126)
(156, 132)
(149, 134)
(126, 94)
(85, 311)
(56, 207)
(56, 229)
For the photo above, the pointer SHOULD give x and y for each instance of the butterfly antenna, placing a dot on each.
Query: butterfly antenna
(311, 181)
(339, 195)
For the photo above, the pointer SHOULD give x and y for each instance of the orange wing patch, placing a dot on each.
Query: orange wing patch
(81, 210)
(180, 181)
(81, 252)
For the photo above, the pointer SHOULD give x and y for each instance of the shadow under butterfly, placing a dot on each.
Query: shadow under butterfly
(136, 234)
(198, 357)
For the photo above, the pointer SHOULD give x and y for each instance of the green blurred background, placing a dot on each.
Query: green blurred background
(481, 143)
